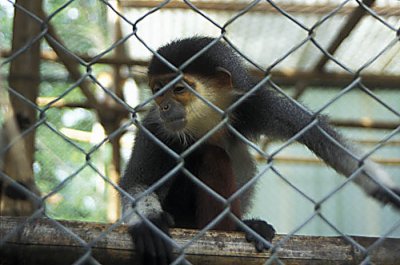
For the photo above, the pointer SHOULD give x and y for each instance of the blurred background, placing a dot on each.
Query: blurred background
(71, 71)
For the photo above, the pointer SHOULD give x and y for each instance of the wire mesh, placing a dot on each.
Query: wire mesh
(87, 76)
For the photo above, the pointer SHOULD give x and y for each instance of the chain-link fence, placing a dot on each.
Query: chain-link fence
(74, 78)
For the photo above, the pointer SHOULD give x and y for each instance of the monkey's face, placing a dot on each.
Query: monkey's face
(181, 110)
(172, 101)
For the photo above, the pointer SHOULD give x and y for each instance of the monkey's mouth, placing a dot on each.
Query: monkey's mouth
(176, 125)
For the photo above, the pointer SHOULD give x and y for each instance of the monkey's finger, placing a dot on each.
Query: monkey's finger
(150, 253)
(260, 246)
(168, 248)
(168, 222)
(139, 251)
(249, 237)
(139, 247)
(162, 255)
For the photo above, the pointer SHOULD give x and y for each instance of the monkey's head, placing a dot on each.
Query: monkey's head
(215, 73)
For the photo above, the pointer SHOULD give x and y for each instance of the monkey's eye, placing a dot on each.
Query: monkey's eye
(179, 89)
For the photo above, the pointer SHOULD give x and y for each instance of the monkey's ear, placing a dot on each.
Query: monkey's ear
(224, 77)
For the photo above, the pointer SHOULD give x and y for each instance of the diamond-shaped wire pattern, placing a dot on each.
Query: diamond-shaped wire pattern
(68, 161)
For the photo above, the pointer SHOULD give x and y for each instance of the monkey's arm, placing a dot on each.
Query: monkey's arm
(278, 117)
(147, 164)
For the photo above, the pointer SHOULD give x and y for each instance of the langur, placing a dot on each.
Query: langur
(208, 100)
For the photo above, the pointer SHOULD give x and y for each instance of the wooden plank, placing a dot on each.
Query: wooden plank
(42, 242)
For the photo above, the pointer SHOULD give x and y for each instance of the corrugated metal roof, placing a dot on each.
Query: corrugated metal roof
(265, 37)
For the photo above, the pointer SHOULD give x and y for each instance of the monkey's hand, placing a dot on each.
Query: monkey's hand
(151, 247)
(262, 228)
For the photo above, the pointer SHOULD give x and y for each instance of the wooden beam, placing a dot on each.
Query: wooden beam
(314, 161)
(52, 56)
(344, 32)
(352, 21)
(317, 9)
(70, 64)
(366, 123)
(61, 103)
(331, 80)
(282, 77)
(42, 242)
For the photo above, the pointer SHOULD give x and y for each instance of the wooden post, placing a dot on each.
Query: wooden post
(18, 160)
(114, 171)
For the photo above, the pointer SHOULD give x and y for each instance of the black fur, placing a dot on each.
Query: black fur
(281, 118)
(219, 55)
(262, 228)
(265, 112)
(152, 249)
(384, 197)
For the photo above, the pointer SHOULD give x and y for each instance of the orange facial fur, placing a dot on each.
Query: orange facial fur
(185, 98)
(200, 117)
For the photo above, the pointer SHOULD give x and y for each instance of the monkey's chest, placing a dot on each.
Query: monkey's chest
(181, 202)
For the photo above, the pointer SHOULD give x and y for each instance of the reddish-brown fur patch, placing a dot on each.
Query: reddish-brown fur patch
(216, 171)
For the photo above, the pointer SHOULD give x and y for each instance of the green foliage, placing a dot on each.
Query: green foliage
(6, 13)
(73, 190)
(88, 21)
(58, 165)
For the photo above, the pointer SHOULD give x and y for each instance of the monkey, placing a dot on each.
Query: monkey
(207, 107)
